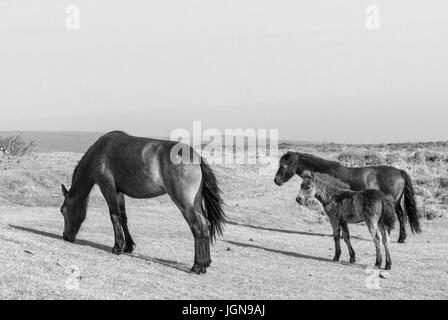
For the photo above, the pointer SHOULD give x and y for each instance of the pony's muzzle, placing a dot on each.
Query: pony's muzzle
(278, 181)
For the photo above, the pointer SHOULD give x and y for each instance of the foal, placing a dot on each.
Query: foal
(344, 206)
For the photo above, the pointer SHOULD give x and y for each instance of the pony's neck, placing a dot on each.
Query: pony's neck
(82, 184)
(325, 192)
(316, 164)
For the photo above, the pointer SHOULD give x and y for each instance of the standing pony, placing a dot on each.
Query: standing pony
(145, 168)
(393, 182)
(344, 206)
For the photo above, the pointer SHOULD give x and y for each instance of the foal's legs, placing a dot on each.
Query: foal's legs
(110, 194)
(337, 238)
(386, 240)
(346, 236)
(376, 234)
(129, 243)
(401, 219)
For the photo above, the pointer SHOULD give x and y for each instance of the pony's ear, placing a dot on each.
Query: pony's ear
(64, 190)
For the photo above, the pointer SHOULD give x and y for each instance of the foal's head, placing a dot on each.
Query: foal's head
(287, 167)
(319, 185)
(74, 212)
(307, 188)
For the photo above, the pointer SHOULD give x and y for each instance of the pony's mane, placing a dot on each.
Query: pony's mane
(291, 157)
(323, 178)
(316, 160)
(80, 163)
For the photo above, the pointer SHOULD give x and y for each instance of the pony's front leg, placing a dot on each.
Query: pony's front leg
(129, 242)
(111, 196)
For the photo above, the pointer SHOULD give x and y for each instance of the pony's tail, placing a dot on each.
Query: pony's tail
(213, 202)
(409, 203)
(388, 216)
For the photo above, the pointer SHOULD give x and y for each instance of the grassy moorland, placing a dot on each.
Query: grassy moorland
(272, 248)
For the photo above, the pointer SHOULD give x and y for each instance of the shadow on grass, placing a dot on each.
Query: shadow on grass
(289, 231)
(168, 263)
(292, 254)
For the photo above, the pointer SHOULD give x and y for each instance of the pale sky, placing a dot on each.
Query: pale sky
(310, 69)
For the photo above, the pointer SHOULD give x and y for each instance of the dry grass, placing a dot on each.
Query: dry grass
(249, 262)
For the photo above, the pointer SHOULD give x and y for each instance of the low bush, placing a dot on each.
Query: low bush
(16, 146)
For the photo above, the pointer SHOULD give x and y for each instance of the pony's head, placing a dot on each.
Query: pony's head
(74, 212)
(307, 188)
(287, 167)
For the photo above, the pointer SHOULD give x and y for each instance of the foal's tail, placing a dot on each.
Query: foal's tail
(388, 216)
(409, 203)
(213, 202)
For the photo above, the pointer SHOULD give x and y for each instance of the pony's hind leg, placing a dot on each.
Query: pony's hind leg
(386, 242)
(129, 242)
(401, 219)
(200, 229)
(346, 236)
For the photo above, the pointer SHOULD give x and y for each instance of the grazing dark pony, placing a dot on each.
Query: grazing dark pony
(144, 168)
(393, 182)
(344, 206)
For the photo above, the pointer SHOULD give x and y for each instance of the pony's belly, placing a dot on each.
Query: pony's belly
(352, 216)
(144, 193)
(355, 220)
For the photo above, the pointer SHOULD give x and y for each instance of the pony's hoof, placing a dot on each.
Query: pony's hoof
(128, 248)
(208, 263)
(352, 260)
(401, 240)
(198, 269)
(117, 250)
(336, 259)
(388, 266)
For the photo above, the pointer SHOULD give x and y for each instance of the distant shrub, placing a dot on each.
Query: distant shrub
(16, 146)
(393, 158)
(417, 157)
(421, 181)
(444, 199)
(442, 182)
(431, 213)
(366, 158)
(420, 157)
(435, 157)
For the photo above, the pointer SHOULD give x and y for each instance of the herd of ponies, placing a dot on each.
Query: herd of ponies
(124, 165)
